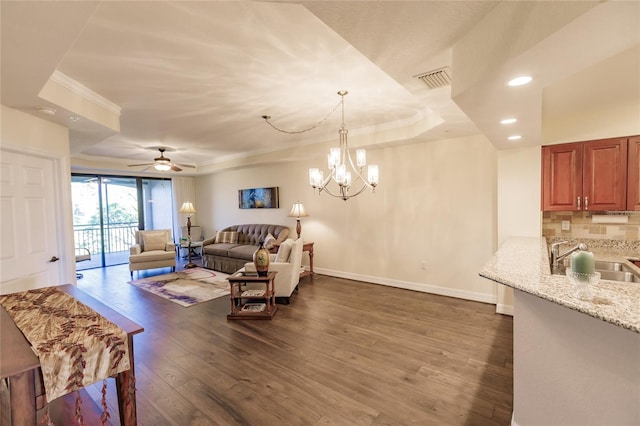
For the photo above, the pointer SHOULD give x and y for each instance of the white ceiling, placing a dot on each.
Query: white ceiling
(195, 77)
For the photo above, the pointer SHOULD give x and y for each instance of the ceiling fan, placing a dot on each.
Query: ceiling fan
(162, 163)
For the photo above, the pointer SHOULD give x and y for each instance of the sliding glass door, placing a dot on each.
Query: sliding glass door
(107, 210)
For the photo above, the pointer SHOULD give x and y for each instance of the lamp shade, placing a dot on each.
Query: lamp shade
(187, 207)
(297, 210)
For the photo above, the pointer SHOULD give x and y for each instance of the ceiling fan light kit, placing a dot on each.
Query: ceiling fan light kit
(162, 167)
(162, 163)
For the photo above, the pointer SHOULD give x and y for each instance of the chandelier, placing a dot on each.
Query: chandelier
(345, 179)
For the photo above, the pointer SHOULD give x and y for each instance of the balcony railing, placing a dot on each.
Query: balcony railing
(117, 237)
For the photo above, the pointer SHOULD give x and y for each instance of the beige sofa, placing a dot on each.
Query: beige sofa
(234, 246)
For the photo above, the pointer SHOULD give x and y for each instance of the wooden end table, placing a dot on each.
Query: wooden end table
(252, 303)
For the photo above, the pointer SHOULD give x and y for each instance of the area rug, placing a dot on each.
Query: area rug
(188, 287)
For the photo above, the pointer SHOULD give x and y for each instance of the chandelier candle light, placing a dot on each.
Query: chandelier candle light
(187, 207)
(342, 171)
(298, 211)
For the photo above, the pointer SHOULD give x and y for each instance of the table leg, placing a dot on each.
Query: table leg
(126, 388)
(22, 391)
(311, 261)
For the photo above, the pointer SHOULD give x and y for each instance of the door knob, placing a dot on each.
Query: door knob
(54, 259)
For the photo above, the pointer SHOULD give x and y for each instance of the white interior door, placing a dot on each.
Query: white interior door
(29, 241)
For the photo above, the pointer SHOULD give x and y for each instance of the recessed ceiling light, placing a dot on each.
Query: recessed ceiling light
(508, 121)
(519, 81)
(74, 118)
(46, 110)
(514, 137)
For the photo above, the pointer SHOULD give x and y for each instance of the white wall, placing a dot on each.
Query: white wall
(519, 177)
(622, 119)
(599, 102)
(33, 134)
(436, 203)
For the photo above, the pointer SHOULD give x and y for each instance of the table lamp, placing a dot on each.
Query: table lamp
(298, 211)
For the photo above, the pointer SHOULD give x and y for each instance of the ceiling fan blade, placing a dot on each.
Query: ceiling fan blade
(186, 165)
(175, 168)
(138, 165)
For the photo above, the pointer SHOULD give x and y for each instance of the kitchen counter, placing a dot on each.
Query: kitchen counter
(575, 362)
(523, 264)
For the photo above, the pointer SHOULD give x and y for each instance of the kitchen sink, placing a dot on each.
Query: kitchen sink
(614, 271)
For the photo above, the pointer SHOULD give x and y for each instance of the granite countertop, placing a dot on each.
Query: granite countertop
(523, 263)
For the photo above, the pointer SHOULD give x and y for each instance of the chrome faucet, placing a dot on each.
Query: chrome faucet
(555, 252)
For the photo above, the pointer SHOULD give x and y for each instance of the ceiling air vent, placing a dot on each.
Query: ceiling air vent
(436, 78)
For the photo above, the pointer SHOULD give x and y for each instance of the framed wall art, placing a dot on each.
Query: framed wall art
(259, 198)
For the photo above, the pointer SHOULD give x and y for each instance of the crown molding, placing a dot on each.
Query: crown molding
(83, 91)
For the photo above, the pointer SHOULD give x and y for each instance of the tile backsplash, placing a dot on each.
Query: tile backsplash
(583, 227)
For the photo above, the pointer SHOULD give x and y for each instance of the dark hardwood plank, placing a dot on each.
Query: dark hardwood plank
(343, 352)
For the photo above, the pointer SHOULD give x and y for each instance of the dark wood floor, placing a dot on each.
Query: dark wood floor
(342, 353)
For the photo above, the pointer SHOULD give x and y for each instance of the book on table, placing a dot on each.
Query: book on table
(253, 307)
(252, 293)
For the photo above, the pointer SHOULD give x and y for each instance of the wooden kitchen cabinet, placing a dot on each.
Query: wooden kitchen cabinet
(585, 176)
(633, 182)
(561, 177)
(604, 175)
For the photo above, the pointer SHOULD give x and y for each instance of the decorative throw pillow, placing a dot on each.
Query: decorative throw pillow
(153, 241)
(284, 251)
(229, 237)
(268, 241)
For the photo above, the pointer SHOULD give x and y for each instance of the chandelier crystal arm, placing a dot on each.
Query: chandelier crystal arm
(358, 171)
(344, 194)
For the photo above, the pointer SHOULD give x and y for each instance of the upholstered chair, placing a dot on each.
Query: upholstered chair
(82, 254)
(288, 263)
(153, 249)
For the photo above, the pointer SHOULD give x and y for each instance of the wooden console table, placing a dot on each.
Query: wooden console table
(308, 247)
(19, 364)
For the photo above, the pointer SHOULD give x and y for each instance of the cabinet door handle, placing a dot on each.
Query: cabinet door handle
(54, 259)
(578, 203)
(586, 203)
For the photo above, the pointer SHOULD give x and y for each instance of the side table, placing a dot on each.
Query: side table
(252, 303)
(308, 247)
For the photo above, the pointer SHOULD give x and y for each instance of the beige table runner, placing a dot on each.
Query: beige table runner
(75, 344)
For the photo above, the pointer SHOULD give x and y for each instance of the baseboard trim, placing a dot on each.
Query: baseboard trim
(513, 422)
(408, 285)
(504, 309)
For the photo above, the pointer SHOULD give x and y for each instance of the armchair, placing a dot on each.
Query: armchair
(82, 254)
(288, 269)
(153, 249)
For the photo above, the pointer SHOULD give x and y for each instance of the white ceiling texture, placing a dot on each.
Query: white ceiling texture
(195, 77)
